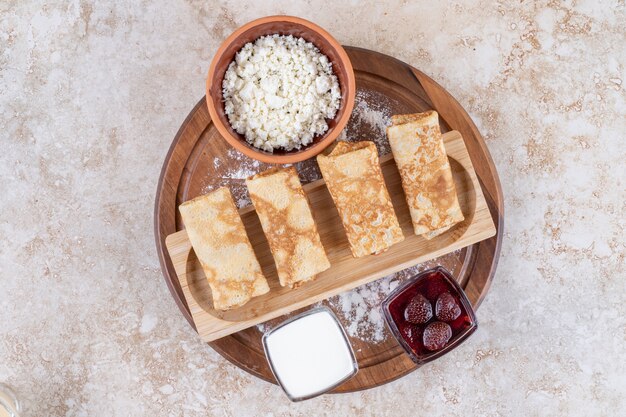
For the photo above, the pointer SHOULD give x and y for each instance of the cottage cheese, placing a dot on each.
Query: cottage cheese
(279, 91)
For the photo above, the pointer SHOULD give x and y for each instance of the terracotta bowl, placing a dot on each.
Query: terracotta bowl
(283, 25)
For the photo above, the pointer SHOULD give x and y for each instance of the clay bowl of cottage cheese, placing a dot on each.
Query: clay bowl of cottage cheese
(280, 89)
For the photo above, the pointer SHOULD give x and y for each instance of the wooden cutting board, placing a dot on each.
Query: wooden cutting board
(346, 272)
(190, 169)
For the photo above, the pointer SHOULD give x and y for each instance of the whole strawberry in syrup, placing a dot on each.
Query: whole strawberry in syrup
(436, 335)
(411, 333)
(419, 310)
(446, 308)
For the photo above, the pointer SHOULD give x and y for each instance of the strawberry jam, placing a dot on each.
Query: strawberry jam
(424, 335)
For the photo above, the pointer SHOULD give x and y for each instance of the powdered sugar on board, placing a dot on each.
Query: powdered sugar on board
(369, 120)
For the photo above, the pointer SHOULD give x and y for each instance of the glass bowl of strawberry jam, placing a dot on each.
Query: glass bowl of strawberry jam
(429, 315)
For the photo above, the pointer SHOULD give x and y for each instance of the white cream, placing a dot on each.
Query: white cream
(310, 354)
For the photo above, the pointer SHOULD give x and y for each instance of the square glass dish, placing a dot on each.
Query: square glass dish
(310, 354)
(429, 315)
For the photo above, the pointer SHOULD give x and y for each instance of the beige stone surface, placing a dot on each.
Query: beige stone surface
(91, 95)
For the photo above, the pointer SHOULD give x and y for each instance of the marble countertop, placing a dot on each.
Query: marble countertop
(91, 95)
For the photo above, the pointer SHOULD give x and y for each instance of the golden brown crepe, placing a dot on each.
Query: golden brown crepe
(355, 181)
(420, 155)
(288, 224)
(219, 239)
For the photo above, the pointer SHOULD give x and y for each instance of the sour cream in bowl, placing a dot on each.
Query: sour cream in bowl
(310, 354)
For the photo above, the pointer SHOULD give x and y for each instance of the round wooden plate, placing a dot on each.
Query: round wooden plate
(200, 160)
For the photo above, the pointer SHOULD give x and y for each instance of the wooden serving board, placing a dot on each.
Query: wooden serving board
(346, 272)
(191, 168)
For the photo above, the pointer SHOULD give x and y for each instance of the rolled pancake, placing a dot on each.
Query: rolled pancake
(355, 182)
(288, 224)
(420, 155)
(219, 239)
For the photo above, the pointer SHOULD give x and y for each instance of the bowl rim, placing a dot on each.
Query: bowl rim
(308, 151)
